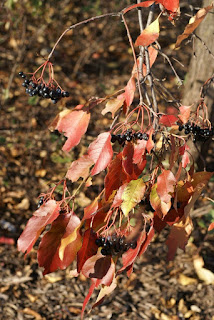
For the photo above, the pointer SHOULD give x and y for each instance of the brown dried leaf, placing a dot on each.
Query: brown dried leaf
(193, 24)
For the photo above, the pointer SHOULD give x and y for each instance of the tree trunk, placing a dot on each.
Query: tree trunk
(201, 68)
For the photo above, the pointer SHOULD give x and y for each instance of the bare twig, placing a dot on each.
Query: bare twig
(204, 44)
(147, 62)
(170, 63)
(110, 14)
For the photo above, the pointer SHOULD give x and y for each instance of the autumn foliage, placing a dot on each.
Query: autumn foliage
(150, 182)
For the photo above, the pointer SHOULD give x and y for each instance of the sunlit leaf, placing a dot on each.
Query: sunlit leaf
(114, 105)
(73, 124)
(132, 195)
(184, 113)
(45, 215)
(159, 206)
(79, 168)
(165, 185)
(100, 151)
(149, 35)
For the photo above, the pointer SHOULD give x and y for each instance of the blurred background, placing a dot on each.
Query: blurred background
(93, 60)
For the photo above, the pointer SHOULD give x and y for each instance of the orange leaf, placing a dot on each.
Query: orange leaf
(149, 35)
(211, 226)
(184, 113)
(193, 24)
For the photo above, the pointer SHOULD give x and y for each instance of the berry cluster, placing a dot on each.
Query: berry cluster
(114, 245)
(40, 203)
(199, 134)
(39, 88)
(128, 136)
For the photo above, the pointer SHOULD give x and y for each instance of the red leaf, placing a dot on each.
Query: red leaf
(105, 291)
(168, 120)
(45, 215)
(159, 206)
(90, 210)
(139, 151)
(145, 244)
(115, 177)
(79, 168)
(152, 57)
(165, 185)
(129, 91)
(179, 236)
(73, 124)
(128, 153)
(48, 252)
(89, 248)
(129, 257)
(87, 298)
(183, 152)
(149, 35)
(184, 113)
(100, 151)
(170, 5)
(144, 4)
(100, 269)
(150, 143)
(118, 198)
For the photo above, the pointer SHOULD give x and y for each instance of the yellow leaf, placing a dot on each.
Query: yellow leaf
(149, 35)
(132, 195)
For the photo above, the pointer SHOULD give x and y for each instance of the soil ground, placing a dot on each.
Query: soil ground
(94, 60)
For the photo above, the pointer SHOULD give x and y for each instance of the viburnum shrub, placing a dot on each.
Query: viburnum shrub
(150, 180)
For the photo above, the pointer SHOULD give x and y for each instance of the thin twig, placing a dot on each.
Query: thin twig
(147, 62)
(110, 14)
(204, 44)
(170, 63)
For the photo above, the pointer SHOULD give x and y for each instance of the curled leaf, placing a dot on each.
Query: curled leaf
(193, 24)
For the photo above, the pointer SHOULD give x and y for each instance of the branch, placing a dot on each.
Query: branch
(135, 59)
(147, 62)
